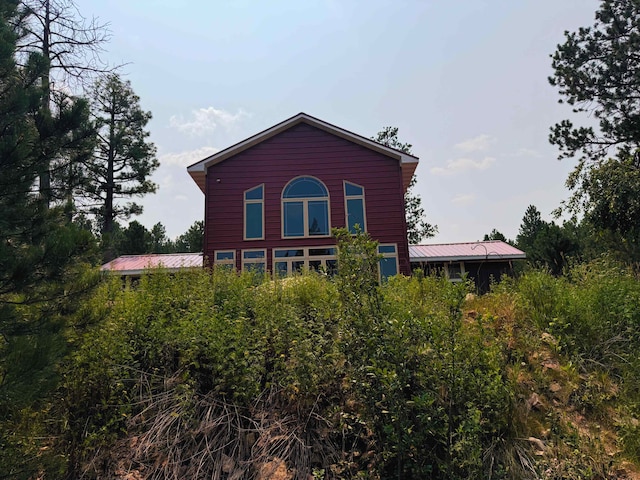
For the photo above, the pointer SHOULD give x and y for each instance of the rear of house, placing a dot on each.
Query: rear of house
(272, 200)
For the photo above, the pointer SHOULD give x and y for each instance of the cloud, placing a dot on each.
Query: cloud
(205, 120)
(181, 198)
(463, 199)
(476, 144)
(184, 159)
(461, 165)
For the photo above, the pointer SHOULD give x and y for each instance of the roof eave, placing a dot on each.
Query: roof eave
(408, 162)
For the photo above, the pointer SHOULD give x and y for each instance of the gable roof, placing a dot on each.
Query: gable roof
(408, 162)
(492, 250)
(137, 264)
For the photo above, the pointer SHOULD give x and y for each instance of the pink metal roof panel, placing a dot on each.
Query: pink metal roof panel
(448, 252)
(136, 264)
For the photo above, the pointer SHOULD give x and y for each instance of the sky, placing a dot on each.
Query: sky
(465, 82)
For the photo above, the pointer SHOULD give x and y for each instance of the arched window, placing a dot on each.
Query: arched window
(305, 208)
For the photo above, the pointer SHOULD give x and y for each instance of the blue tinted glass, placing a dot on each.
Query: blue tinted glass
(254, 194)
(321, 251)
(289, 253)
(352, 190)
(388, 268)
(253, 218)
(224, 255)
(304, 187)
(253, 254)
(387, 249)
(293, 219)
(355, 214)
(318, 218)
(281, 268)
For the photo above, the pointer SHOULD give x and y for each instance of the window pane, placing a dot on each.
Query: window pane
(254, 254)
(332, 267)
(388, 268)
(318, 218)
(224, 255)
(352, 190)
(293, 219)
(254, 267)
(254, 194)
(387, 249)
(289, 253)
(297, 266)
(281, 268)
(253, 227)
(355, 214)
(314, 252)
(454, 270)
(315, 265)
(304, 187)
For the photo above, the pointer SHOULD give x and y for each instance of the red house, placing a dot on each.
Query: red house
(272, 199)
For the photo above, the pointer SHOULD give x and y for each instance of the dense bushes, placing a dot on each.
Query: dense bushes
(218, 375)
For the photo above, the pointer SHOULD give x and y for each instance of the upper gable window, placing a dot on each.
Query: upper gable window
(254, 213)
(354, 207)
(305, 208)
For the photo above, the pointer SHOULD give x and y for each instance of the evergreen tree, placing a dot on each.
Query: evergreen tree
(69, 45)
(531, 225)
(495, 235)
(192, 240)
(124, 158)
(418, 228)
(596, 71)
(41, 255)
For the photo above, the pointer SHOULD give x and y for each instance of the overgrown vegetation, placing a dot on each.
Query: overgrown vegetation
(218, 375)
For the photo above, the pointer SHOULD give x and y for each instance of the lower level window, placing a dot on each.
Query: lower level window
(254, 260)
(292, 260)
(225, 257)
(388, 262)
(455, 271)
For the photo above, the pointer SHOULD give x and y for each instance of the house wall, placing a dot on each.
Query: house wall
(303, 150)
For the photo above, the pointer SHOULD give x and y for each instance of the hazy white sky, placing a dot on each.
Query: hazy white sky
(464, 80)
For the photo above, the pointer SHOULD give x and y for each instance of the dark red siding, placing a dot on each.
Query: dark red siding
(303, 150)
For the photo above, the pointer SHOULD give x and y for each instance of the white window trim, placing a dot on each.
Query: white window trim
(244, 212)
(354, 197)
(305, 257)
(388, 255)
(228, 261)
(263, 260)
(462, 272)
(305, 209)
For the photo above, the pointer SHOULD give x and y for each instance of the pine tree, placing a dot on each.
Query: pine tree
(124, 158)
(41, 255)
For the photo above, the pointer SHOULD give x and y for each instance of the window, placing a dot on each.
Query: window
(254, 260)
(254, 213)
(388, 262)
(454, 271)
(305, 208)
(354, 207)
(226, 258)
(292, 260)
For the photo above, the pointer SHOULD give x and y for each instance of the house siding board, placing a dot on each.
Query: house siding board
(303, 150)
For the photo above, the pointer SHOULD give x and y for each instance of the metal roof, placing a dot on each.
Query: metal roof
(493, 250)
(137, 264)
(408, 162)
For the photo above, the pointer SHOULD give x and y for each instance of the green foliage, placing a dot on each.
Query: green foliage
(595, 70)
(495, 235)
(548, 245)
(124, 158)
